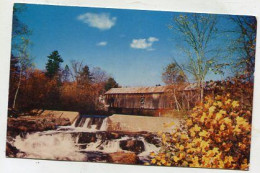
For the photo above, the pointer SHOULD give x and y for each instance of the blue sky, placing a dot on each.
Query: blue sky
(133, 46)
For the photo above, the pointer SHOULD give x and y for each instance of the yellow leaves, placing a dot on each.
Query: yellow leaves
(218, 97)
(189, 122)
(153, 161)
(221, 164)
(192, 133)
(152, 154)
(196, 128)
(169, 124)
(218, 116)
(228, 159)
(211, 110)
(181, 147)
(163, 161)
(242, 146)
(206, 106)
(195, 162)
(184, 137)
(223, 112)
(204, 134)
(163, 138)
(241, 121)
(215, 150)
(227, 120)
(210, 153)
(237, 129)
(175, 158)
(222, 127)
(203, 117)
(235, 104)
(214, 129)
(227, 102)
(146, 163)
(244, 166)
(204, 144)
(218, 103)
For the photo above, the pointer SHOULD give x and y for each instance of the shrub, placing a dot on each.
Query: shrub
(215, 135)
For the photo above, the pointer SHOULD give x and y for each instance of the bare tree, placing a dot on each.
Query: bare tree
(244, 44)
(198, 31)
(99, 75)
(24, 62)
(175, 77)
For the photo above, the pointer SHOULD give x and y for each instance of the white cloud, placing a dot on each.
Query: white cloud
(101, 21)
(143, 43)
(102, 43)
(153, 39)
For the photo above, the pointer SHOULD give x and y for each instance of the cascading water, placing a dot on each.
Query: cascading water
(86, 137)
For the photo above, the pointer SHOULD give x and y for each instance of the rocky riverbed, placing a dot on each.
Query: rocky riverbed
(89, 138)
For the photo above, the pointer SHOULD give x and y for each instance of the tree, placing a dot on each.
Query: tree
(53, 64)
(19, 29)
(66, 74)
(244, 44)
(24, 62)
(99, 75)
(20, 58)
(174, 76)
(198, 30)
(85, 75)
(111, 83)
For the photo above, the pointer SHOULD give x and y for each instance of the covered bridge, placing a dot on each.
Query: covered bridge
(151, 100)
(138, 100)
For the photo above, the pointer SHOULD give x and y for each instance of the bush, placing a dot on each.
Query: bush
(215, 135)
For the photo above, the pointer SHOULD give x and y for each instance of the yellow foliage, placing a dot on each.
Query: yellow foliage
(216, 135)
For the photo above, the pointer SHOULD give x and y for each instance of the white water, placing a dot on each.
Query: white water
(86, 126)
(86, 123)
(57, 146)
(104, 125)
(60, 145)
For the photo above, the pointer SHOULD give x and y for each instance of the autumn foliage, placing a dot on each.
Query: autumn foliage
(215, 135)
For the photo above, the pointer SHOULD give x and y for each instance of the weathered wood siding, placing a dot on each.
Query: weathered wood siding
(138, 101)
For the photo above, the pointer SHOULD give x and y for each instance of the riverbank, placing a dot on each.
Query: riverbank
(41, 121)
(61, 135)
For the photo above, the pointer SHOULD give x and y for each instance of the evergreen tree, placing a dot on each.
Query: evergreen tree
(53, 64)
(85, 75)
(66, 74)
(111, 83)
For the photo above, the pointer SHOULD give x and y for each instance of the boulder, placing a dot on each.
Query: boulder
(87, 138)
(153, 139)
(26, 124)
(123, 158)
(11, 151)
(136, 146)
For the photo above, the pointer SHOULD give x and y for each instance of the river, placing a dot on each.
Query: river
(87, 139)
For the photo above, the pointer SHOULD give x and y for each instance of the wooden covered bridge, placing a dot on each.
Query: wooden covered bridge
(148, 100)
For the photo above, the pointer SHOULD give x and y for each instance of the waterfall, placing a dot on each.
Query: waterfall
(86, 137)
(90, 123)
(86, 123)
(59, 146)
(104, 125)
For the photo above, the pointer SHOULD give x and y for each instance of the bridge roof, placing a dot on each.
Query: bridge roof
(138, 90)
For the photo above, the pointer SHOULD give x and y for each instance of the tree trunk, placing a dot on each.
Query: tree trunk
(17, 89)
(201, 92)
(178, 106)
